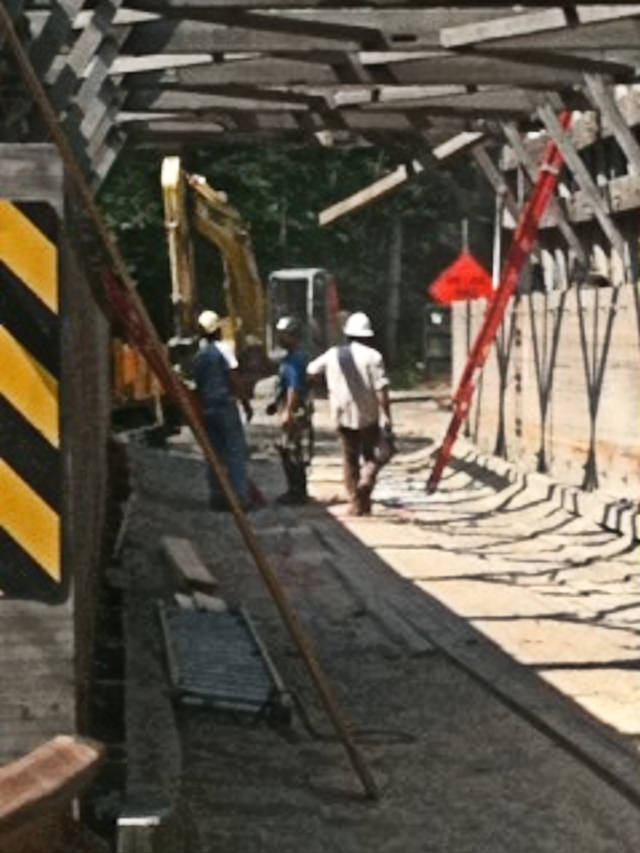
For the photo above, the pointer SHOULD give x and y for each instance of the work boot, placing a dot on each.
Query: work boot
(362, 500)
(291, 498)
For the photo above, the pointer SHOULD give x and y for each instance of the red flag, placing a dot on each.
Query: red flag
(466, 278)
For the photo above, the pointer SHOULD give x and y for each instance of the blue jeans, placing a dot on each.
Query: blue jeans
(225, 432)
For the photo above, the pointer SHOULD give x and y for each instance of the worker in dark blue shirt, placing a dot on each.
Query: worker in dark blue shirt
(294, 406)
(215, 372)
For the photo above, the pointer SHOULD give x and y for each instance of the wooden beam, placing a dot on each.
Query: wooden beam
(533, 23)
(597, 13)
(586, 129)
(54, 35)
(255, 72)
(158, 62)
(469, 69)
(602, 99)
(496, 179)
(83, 50)
(502, 101)
(456, 145)
(180, 5)
(159, 99)
(365, 196)
(503, 27)
(513, 137)
(578, 62)
(581, 174)
(46, 779)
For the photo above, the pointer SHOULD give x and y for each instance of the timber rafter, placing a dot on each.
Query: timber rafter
(321, 71)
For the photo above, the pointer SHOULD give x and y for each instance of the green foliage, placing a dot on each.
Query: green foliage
(279, 192)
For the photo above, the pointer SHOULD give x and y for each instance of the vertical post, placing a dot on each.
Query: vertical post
(395, 277)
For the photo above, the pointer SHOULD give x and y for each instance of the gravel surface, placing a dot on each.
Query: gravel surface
(457, 770)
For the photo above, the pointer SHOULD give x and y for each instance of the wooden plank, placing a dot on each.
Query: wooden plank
(168, 36)
(585, 130)
(31, 173)
(515, 140)
(158, 100)
(497, 180)
(500, 102)
(440, 69)
(621, 194)
(46, 779)
(597, 13)
(184, 558)
(211, 603)
(456, 144)
(467, 69)
(158, 62)
(409, 28)
(181, 5)
(365, 196)
(533, 23)
(82, 52)
(603, 100)
(54, 35)
(580, 172)
(503, 27)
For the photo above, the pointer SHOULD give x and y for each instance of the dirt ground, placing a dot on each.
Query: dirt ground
(457, 768)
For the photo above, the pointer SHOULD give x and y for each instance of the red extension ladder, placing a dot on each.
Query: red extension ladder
(523, 241)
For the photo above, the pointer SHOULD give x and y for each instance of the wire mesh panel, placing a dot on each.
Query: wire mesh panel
(218, 659)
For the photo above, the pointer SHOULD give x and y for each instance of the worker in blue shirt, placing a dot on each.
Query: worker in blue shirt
(295, 409)
(215, 372)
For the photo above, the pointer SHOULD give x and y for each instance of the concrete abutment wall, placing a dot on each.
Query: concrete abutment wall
(46, 646)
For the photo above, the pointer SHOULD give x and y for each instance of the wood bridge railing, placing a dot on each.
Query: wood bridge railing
(36, 794)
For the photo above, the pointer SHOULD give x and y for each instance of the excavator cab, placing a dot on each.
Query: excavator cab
(311, 295)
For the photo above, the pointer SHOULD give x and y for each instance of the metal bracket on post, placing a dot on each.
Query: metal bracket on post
(602, 99)
(585, 181)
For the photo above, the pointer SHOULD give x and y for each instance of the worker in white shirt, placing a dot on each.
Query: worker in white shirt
(359, 400)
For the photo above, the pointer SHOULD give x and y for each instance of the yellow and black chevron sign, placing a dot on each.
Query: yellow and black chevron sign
(30, 464)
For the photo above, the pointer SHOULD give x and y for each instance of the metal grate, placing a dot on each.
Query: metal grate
(219, 660)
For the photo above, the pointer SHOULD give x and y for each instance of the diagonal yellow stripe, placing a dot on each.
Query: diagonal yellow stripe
(29, 254)
(30, 389)
(30, 521)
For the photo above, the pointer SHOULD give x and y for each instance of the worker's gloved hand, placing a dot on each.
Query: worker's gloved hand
(248, 411)
(271, 409)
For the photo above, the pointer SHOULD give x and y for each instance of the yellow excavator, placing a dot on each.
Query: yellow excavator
(252, 310)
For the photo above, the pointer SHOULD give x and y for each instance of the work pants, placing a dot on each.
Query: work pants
(359, 480)
(225, 432)
(291, 449)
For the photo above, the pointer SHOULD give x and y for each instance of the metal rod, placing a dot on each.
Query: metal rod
(174, 387)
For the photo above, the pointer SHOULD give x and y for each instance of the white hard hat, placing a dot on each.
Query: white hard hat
(358, 325)
(209, 322)
(288, 324)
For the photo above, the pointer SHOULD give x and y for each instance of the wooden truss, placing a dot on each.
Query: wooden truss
(178, 72)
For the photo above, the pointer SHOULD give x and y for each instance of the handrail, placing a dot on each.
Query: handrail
(44, 780)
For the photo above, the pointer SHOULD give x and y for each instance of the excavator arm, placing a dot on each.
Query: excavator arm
(176, 221)
(221, 223)
(215, 219)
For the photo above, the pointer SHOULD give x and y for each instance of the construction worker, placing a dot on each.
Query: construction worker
(293, 404)
(359, 400)
(215, 371)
